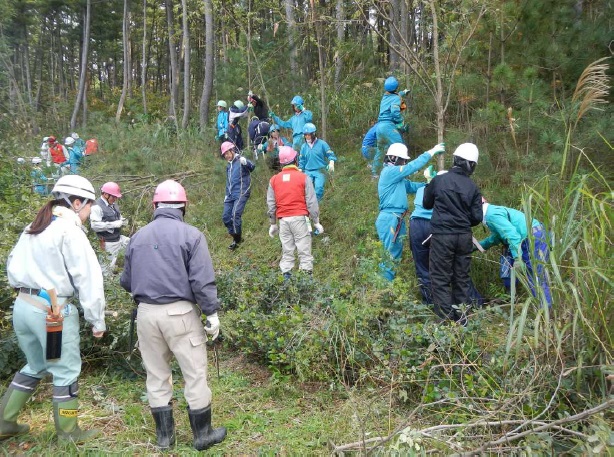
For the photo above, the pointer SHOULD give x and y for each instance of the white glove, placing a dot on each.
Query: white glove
(124, 221)
(319, 228)
(261, 147)
(438, 149)
(243, 161)
(212, 326)
(331, 166)
(273, 230)
(404, 92)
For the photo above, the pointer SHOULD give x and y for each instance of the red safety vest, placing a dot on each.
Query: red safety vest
(57, 153)
(289, 188)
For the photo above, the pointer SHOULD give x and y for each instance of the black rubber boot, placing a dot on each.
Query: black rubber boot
(236, 239)
(165, 426)
(204, 435)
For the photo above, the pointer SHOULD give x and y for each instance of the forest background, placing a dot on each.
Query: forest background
(341, 362)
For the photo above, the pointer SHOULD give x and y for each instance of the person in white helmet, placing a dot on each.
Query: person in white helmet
(392, 188)
(457, 206)
(221, 124)
(75, 155)
(39, 180)
(107, 221)
(51, 263)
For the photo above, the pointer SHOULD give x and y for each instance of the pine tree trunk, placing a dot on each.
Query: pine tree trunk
(126, 47)
(289, 4)
(186, 66)
(174, 68)
(144, 60)
(83, 74)
(208, 81)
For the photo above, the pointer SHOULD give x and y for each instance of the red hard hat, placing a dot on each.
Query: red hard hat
(111, 188)
(286, 155)
(226, 146)
(170, 192)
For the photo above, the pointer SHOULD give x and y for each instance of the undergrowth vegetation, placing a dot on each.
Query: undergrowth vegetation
(516, 367)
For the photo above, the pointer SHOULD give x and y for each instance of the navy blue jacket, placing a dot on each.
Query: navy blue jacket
(238, 179)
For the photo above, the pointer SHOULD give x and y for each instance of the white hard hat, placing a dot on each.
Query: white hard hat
(36, 160)
(21, 160)
(45, 139)
(69, 141)
(74, 135)
(398, 150)
(467, 151)
(74, 185)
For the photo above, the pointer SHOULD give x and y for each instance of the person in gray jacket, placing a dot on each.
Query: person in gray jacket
(169, 272)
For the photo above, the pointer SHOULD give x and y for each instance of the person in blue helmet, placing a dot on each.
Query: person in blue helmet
(301, 117)
(508, 226)
(392, 190)
(315, 156)
(271, 148)
(371, 152)
(221, 124)
(419, 240)
(390, 122)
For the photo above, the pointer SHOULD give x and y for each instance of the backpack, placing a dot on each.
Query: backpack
(261, 133)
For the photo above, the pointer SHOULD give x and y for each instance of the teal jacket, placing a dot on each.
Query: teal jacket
(393, 185)
(507, 226)
(419, 211)
(315, 156)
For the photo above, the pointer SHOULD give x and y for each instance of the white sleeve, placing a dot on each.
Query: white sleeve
(96, 221)
(86, 274)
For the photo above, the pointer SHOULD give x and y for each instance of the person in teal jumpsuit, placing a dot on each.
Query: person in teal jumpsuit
(301, 117)
(390, 122)
(392, 189)
(315, 156)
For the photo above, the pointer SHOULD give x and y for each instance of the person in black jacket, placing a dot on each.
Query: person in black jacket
(457, 206)
(261, 111)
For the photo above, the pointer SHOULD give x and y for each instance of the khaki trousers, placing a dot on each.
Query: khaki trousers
(167, 330)
(294, 234)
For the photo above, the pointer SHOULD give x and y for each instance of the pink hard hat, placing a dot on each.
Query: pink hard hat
(286, 155)
(111, 188)
(226, 146)
(170, 191)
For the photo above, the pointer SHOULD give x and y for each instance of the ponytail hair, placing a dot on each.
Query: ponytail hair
(45, 215)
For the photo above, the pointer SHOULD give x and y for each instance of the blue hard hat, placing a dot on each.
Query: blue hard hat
(391, 84)
(309, 128)
(297, 100)
(274, 128)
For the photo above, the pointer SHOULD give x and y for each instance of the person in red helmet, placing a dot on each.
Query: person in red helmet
(107, 221)
(59, 155)
(169, 272)
(291, 200)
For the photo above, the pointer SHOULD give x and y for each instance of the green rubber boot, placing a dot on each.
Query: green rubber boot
(12, 402)
(65, 415)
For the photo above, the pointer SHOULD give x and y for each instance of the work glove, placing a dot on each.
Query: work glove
(212, 326)
(271, 114)
(404, 92)
(319, 228)
(116, 224)
(249, 94)
(273, 230)
(261, 147)
(124, 221)
(243, 161)
(430, 173)
(438, 149)
(331, 166)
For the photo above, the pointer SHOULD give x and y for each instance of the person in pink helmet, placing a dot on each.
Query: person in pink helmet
(107, 221)
(291, 200)
(238, 190)
(169, 272)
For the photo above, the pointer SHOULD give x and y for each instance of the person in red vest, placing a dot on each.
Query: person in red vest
(58, 153)
(290, 198)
